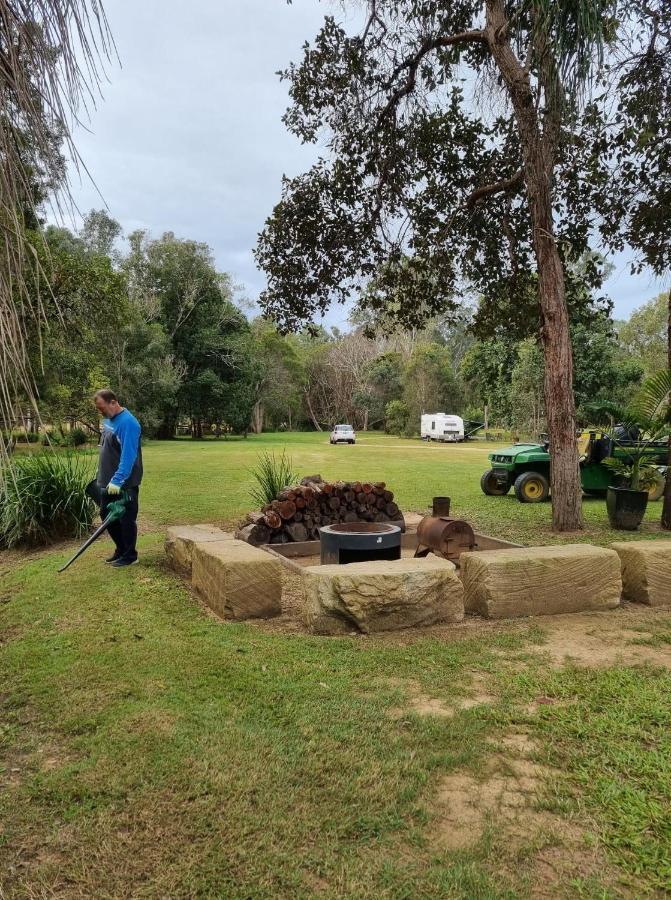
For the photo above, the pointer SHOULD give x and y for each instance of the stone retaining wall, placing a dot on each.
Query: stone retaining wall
(181, 539)
(236, 580)
(382, 596)
(538, 581)
(646, 571)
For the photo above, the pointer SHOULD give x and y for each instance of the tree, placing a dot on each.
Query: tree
(174, 283)
(420, 189)
(526, 389)
(429, 384)
(72, 348)
(277, 391)
(629, 149)
(99, 233)
(51, 52)
(644, 335)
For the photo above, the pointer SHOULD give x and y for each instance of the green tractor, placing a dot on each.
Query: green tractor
(526, 467)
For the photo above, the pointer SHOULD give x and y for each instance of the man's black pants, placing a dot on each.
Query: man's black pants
(124, 531)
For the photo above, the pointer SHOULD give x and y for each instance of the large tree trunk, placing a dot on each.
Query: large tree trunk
(558, 383)
(257, 418)
(538, 151)
(666, 509)
(311, 411)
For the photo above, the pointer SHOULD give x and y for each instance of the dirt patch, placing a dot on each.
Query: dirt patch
(420, 703)
(604, 639)
(503, 802)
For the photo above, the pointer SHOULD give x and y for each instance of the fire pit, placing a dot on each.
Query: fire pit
(358, 542)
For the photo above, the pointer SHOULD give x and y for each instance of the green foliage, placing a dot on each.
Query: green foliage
(272, 474)
(77, 437)
(649, 412)
(42, 498)
(397, 416)
(645, 334)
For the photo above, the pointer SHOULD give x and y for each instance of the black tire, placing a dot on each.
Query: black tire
(532, 487)
(351, 442)
(491, 486)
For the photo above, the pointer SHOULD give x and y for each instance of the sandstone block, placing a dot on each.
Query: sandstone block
(236, 580)
(382, 595)
(646, 571)
(179, 541)
(537, 581)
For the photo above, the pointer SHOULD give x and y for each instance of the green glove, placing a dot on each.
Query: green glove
(113, 489)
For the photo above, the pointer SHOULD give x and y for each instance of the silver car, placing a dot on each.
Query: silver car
(343, 434)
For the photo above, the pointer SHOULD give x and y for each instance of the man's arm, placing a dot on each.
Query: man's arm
(129, 438)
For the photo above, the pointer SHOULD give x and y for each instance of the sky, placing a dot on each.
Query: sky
(188, 136)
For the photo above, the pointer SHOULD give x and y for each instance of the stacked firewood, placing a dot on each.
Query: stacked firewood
(298, 512)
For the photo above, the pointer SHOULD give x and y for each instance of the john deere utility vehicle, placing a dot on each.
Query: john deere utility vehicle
(526, 467)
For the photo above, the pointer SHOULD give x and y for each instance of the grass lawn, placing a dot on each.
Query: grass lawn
(149, 750)
(209, 481)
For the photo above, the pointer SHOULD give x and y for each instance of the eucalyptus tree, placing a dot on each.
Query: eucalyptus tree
(449, 127)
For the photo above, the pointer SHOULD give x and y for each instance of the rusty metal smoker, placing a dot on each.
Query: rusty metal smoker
(442, 535)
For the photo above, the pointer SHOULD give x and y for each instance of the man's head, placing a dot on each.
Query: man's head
(106, 403)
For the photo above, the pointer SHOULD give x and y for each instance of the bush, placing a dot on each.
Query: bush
(77, 437)
(42, 499)
(272, 475)
(28, 437)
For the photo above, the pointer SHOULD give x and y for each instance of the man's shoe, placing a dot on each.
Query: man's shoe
(122, 562)
(113, 558)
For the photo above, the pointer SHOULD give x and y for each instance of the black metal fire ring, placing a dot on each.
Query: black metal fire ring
(359, 541)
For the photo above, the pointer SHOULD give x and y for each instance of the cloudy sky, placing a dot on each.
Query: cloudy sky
(188, 135)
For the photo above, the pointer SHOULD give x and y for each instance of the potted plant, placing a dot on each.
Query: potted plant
(642, 429)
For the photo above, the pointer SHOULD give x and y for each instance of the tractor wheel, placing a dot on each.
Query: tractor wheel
(532, 487)
(656, 491)
(491, 486)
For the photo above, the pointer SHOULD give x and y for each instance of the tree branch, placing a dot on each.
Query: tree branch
(412, 63)
(497, 187)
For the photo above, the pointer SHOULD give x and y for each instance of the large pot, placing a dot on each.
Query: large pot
(626, 508)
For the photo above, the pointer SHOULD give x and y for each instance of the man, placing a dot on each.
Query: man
(119, 466)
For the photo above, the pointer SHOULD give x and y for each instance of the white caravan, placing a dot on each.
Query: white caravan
(441, 427)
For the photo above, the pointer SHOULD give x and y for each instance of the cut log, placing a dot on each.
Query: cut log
(367, 488)
(392, 510)
(273, 520)
(287, 509)
(297, 531)
(255, 534)
(300, 503)
(334, 503)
